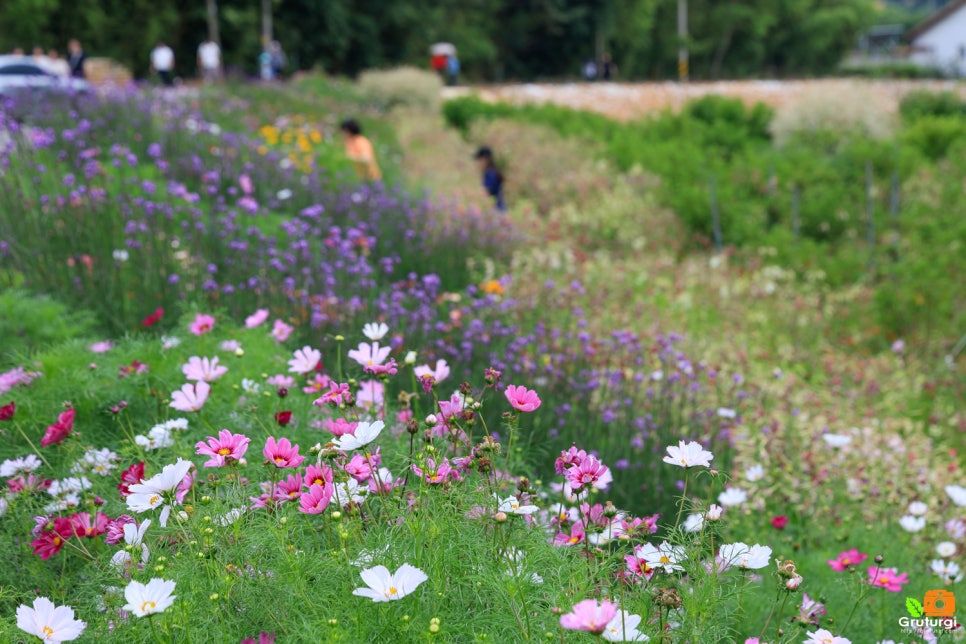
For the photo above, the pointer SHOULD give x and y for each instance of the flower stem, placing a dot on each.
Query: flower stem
(684, 498)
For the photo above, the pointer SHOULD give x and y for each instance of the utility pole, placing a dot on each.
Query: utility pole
(683, 40)
(266, 23)
(213, 35)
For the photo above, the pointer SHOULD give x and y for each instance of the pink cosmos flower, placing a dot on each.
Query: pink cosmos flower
(257, 318)
(227, 448)
(305, 360)
(590, 472)
(638, 566)
(823, 636)
(289, 489)
(391, 368)
(203, 369)
(572, 456)
(101, 347)
(433, 474)
(83, 525)
(577, 535)
(245, 183)
(370, 354)
(337, 395)
(341, 427)
(848, 558)
(439, 373)
(316, 500)
(281, 331)
(888, 578)
(114, 533)
(282, 453)
(263, 638)
(57, 432)
(589, 615)
(281, 380)
(191, 397)
(522, 399)
(317, 383)
(203, 323)
(318, 475)
(358, 468)
(371, 394)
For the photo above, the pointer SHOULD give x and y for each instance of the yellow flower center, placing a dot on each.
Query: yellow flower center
(48, 631)
(665, 560)
(154, 499)
(224, 451)
(57, 541)
(573, 539)
(147, 605)
(392, 590)
(279, 460)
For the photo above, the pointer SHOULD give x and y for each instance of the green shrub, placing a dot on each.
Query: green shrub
(400, 86)
(932, 136)
(921, 103)
(29, 322)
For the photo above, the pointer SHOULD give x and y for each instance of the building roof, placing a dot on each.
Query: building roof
(935, 19)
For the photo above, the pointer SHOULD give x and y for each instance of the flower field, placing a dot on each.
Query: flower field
(246, 398)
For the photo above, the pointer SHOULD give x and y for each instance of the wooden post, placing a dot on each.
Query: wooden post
(213, 35)
(715, 215)
(683, 61)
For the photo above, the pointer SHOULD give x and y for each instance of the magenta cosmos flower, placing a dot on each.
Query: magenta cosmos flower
(203, 323)
(191, 397)
(848, 558)
(888, 578)
(521, 398)
(227, 448)
(589, 615)
(282, 453)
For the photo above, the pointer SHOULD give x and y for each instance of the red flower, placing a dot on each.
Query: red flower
(50, 542)
(57, 432)
(130, 476)
(154, 318)
(7, 411)
(283, 418)
(779, 522)
(83, 525)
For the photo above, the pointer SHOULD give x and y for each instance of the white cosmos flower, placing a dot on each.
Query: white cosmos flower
(349, 492)
(755, 473)
(69, 486)
(744, 556)
(665, 556)
(732, 496)
(958, 494)
(22, 465)
(169, 342)
(157, 491)
(305, 360)
(714, 512)
(623, 628)
(511, 505)
(517, 568)
(688, 455)
(159, 437)
(945, 569)
(150, 598)
(385, 587)
(375, 331)
(836, 440)
(283, 194)
(918, 508)
(945, 549)
(249, 386)
(725, 412)
(693, 523)
(439, 373)
(364, 434)
(49, 622)
(910, 523)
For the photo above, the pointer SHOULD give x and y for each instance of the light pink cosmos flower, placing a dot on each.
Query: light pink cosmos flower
(888, 578)
(206, 369)
(191, 397)
(589, 615)
(281, 380)
(440, 372)
(227, 448)
(822, 636)
(282, 453)
(848, 558)
(202, 324)
(318, 382)
(336, 396)
(372, 393)
(101, 347)
(245, 183)
(305, 360)
(370, 354)
(688, 455)
(521, 398)
(281, 331)
(317, 499)
(257, 318)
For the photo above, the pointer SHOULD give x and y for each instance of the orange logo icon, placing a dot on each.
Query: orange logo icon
(939, 603)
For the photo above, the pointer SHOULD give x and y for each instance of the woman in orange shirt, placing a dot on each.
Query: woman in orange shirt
(359, 150)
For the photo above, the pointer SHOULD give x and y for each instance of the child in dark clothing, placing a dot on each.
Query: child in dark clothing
(492, 178)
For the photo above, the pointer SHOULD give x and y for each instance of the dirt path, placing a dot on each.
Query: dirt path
(627, 101)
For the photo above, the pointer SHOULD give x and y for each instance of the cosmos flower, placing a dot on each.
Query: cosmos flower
(589, 615)
(49, 622)
(384, 587)
(149, 599)
(690, 454)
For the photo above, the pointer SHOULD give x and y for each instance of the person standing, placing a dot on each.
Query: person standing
(58, 66)
(278, 59)
(209, 60)
(162, 62)
(360, 151)
(452, 70)
(492, 177)
(607, 68)
(76, 58)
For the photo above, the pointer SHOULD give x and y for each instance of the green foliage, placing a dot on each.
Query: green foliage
(933, 136)
(918, 104)
(28, 322)
(400, 87)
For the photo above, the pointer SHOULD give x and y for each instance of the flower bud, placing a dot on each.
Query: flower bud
(431, 420)
(282, 392)
(410, 358)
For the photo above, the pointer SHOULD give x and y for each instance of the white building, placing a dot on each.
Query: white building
(940, 40)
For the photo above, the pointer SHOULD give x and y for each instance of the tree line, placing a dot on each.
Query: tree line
(496, 39)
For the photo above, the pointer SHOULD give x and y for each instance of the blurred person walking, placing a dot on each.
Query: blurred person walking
(162, 62)
(209, 60)
(76, 58)
(360, 151)
(492, 177)
(278, 59)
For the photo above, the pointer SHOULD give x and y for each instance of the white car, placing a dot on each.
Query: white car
(19, 73)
